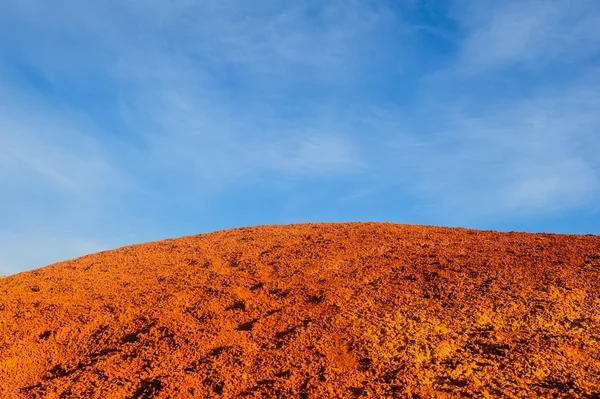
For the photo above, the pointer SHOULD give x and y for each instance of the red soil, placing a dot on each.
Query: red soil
(318, 310)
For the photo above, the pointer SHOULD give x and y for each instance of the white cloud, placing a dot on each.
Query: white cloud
(206, 95)
(195, 87)
(314, 154)
(507, 158)
(554, 186)
(321, 39)
(45, 145)
(168, 61)
(529, 33)
(485, 148)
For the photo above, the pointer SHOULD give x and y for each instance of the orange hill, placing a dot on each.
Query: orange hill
(310, 311)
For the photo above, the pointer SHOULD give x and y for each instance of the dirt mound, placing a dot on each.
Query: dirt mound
(317, 310)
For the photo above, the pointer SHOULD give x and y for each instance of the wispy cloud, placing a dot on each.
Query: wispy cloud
(530, 33)
(314, 153)
(490, 158)
(43, 145)
(129, 101)
(122, 121)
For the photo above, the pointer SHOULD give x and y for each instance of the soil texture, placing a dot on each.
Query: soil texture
(310, 311)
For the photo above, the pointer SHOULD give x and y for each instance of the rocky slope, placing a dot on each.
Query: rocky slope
(310, 311)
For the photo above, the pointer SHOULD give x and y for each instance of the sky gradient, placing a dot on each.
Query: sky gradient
(126, 121)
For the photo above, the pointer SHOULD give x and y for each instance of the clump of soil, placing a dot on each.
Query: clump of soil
(310, 311)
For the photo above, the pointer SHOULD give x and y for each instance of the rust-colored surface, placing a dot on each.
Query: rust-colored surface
(313, 311)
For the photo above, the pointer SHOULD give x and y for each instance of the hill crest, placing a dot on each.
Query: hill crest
(313, 310)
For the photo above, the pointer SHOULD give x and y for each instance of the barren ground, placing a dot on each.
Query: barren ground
(310, 311)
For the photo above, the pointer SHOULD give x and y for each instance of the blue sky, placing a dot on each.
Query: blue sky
(126, 121)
